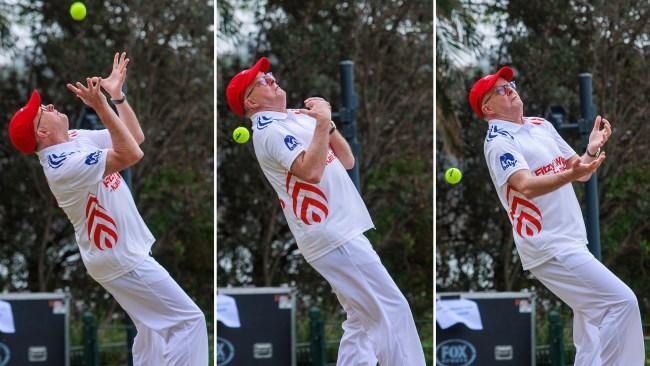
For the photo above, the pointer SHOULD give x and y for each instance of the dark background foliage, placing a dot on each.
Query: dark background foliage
(548, 43)
(170, 87)
(390, 43)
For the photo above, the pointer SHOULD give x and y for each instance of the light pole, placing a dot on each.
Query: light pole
(585, 124)
(347, 116)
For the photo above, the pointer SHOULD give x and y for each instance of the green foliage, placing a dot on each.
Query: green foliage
(390, 44)
(402, 229)
(170, 88)
(549, 44)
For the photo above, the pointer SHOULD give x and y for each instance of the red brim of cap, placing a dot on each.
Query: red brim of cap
(483, 85)
(21, 126)
(236, 90)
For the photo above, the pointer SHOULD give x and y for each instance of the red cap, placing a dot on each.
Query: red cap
(21, 126)
(238, 84)
(483, 85)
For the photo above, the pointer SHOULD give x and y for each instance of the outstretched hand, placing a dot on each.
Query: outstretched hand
(91, 93)
(113, 83)
(598, 136)
(579, 169)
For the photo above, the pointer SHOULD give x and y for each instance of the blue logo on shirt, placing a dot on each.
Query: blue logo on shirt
(507, 161)
(495, 132)
(93, 158)
(291, 142)
(263, 122)
(56, 161)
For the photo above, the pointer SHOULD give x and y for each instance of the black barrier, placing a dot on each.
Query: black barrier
(41, 337)
(507, 337)
(267, 332)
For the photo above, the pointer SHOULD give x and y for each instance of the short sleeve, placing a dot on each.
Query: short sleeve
(503, 158)
(565, 149)
(78, 170)
(279, 145)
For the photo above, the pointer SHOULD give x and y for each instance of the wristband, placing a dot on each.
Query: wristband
(119, 101)
(593, 155)
(333, 128)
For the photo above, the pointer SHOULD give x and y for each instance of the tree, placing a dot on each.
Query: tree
(390, 45)
(549, 44)
(170, 88)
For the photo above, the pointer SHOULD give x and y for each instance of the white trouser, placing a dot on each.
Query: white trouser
(171, 328)
(379, 324)
(606, 319)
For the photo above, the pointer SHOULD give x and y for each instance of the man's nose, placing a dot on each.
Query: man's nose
(509, 90)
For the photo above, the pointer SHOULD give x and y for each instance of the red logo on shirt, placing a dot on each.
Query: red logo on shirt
(101, 227)
(524, 215)
(556, 166)
(535, 120)
(112, 181)
(73, 133)
(308, 202)
(330, 157)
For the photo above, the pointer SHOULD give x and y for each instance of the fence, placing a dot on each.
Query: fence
(319, 351)
(93, 352)
(562, 353)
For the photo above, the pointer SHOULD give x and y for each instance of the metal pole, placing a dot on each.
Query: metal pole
(131, 332)
(347, 114)
(91, 348)
(556, 332)
(317, 346)
(588, 113)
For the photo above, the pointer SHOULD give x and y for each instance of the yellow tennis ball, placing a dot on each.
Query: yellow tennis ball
(78, 11)
(241, 134)
(453, 175)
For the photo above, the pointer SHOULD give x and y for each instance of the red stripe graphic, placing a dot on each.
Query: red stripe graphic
(524, 215)
(309, 203)
(100, 226)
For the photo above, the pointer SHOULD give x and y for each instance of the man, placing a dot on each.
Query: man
(305, 159)
(532, 167)
(82, 169)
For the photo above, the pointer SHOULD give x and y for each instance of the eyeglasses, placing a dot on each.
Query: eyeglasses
(502, 90)
(262, 80)
(38, 123)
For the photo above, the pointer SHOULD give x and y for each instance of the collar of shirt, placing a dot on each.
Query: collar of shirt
(509, 126)
(269, 114)
(43, 153)
(263, 119)
(275, 115)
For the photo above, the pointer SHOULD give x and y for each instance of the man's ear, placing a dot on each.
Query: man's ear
(42, 133)
(486, 109)
(249, 104)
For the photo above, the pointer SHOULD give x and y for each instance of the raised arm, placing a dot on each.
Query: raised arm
(310, 165)
(125, 151)
(342, 149)
(113, 86)
(597, 140)
(533, 186)
(338, 143)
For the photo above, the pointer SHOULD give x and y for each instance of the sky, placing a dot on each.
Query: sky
(19, 31)
(247, 19)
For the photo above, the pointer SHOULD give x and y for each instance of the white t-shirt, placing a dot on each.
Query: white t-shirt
(112, 237)
(546, 225)
(321, 216)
